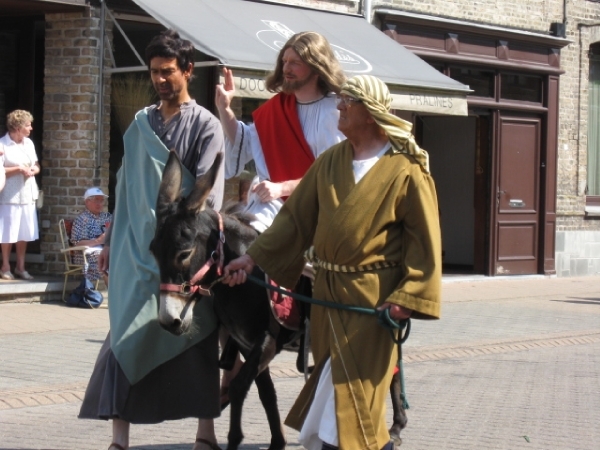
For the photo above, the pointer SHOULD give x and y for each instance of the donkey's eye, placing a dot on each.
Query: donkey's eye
(183, 256)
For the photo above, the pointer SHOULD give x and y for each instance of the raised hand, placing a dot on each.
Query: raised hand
(225, 92)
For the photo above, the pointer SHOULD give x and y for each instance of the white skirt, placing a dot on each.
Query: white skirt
(18, 223)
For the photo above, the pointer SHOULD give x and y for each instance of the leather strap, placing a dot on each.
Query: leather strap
(212, 445)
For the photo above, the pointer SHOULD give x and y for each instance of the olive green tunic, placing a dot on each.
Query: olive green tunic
(390, 215)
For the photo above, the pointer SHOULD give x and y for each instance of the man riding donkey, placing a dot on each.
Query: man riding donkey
(289, 131)
(368, 206)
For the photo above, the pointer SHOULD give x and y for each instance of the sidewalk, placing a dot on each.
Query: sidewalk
(513, 364)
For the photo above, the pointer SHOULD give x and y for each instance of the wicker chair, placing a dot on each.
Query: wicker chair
(68, 251)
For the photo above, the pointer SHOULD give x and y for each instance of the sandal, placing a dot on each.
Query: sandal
(23, 275)
(117, 446)
(7, 275)
(212, 445)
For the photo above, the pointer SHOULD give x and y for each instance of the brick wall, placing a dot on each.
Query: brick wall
(71, 89)
(536, 16)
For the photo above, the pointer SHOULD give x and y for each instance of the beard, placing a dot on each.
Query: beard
(165, 94)
(290, 86)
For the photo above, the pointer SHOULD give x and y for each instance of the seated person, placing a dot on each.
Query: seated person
(89, 229)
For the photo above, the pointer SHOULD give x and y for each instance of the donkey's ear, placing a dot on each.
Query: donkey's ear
(170, 186)
(197, 198)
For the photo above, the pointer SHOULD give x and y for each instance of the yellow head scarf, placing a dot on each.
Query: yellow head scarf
(375, 95)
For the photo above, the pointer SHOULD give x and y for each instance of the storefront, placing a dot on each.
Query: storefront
(495, 169)
(248, 42)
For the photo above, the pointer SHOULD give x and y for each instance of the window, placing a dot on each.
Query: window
(521, 87)
(593, 162)
(481, 81)
(490, 84)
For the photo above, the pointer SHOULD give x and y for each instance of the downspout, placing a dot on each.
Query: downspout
(100, 136)
(367, 10)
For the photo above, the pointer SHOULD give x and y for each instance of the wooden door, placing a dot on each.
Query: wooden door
(516, 230)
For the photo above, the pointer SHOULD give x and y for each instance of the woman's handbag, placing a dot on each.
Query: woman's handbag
(39, 202)
(36, 193)
(85, 296)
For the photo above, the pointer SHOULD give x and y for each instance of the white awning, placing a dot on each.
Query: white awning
(248, 35)
(252, 85)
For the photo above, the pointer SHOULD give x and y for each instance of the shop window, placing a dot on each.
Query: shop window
(481, 81)
(525, 88)
(593, 162)
(438, 66)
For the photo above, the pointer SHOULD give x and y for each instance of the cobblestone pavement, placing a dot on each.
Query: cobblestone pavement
(513, 364)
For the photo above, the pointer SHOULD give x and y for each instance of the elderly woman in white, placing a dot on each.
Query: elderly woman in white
(18, 218)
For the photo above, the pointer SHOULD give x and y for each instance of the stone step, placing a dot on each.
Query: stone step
(41, 288)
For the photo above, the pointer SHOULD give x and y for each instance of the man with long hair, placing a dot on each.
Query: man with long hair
(143, 373)
(291, 129)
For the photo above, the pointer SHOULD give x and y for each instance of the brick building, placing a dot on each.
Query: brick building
(517, 176)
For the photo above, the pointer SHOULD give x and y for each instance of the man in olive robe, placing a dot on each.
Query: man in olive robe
(365, 203)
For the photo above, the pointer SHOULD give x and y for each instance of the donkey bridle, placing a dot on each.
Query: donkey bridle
(193, 286)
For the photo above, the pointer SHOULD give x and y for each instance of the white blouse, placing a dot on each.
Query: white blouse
(18, 190)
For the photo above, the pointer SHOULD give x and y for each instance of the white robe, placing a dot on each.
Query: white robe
(319, 122)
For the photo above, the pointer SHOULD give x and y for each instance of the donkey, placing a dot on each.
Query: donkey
(191, 244)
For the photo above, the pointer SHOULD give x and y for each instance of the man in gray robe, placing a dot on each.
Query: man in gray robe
(144, 374)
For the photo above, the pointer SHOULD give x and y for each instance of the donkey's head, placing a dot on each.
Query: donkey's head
(187, 235)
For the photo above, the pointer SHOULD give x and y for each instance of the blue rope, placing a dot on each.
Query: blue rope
(383, 317)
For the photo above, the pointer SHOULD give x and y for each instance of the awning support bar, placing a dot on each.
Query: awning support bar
(142, 62)
(145, 68)
(100, 121)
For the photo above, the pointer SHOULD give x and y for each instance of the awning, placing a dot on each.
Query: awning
(247, 35)
(29, 7)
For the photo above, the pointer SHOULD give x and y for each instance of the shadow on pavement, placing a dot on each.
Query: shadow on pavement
(580, 301)
(223, 445)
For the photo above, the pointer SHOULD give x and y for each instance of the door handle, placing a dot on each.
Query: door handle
(498, 194)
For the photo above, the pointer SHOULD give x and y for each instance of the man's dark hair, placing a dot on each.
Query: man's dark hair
(169, 44)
